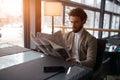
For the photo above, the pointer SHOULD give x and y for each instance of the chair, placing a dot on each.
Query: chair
(101, 43)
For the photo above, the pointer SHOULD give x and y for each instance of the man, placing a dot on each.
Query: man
(81, 45)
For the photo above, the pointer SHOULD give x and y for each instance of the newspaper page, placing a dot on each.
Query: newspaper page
(51, 44)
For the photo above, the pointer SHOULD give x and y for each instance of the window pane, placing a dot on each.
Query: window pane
(98, 3)
(113, 33)
(112, 6)
(116, 8)
(47, 22)
(109, 5)
(115, 22)
(106, 21)
(115, 25)
(90, 20)
(67, 10)
(106, 25)
(89, 2)
(95, 34)
(96, 16)
(90, 31)
(104, 34)
(93, 3)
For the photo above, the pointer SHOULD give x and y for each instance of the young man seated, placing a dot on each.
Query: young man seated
(82, 45)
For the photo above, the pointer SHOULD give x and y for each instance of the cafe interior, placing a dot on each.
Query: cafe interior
(31, 17)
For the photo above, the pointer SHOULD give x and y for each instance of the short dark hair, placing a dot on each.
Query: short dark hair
(79, 12)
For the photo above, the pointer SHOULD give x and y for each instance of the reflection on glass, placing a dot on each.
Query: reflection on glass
(11, 60)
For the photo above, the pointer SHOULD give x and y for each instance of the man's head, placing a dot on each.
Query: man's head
(78, 18)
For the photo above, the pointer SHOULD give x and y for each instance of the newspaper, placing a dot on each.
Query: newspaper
(51, 44)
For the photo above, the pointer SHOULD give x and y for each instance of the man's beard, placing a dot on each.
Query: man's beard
(75, 31)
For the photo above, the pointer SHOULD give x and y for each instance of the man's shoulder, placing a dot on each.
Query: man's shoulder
(89, 36)
(68, 33)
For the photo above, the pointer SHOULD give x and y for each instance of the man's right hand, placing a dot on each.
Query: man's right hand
(71, 59)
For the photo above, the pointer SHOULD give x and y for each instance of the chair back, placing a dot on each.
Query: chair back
(101, 43)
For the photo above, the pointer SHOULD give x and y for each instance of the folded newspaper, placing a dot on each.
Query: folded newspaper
(51, 44)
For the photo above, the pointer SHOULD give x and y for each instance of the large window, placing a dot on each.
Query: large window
(112, 7)
(11, 22)
(92, 21)
(100, 15)
(47, 22)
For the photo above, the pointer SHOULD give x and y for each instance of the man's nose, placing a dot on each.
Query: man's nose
(73, 24)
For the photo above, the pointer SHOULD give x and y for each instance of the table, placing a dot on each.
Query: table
(25, 64)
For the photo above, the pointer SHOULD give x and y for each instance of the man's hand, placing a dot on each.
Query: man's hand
(71, 59)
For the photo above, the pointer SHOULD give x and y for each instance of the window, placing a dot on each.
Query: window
(106, 21)
(115, 25)
(106, 25)
(95, 16)
(11, 22)
(109, 6)
(93, 3)
(115, 22)
(90, 19)
(47, 22)
(67, 10)
(96, 19)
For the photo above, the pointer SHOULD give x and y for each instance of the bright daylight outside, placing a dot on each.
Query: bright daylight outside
(11, 22)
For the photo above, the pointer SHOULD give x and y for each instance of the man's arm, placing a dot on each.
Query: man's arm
(91, 53)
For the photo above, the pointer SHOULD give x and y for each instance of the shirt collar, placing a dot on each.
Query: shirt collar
(79, 33)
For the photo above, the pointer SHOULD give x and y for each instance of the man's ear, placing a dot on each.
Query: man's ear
(84, 21)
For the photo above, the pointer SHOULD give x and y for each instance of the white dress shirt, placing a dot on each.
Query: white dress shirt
(75, 45)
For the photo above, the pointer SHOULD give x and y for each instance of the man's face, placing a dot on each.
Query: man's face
(76, 23)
